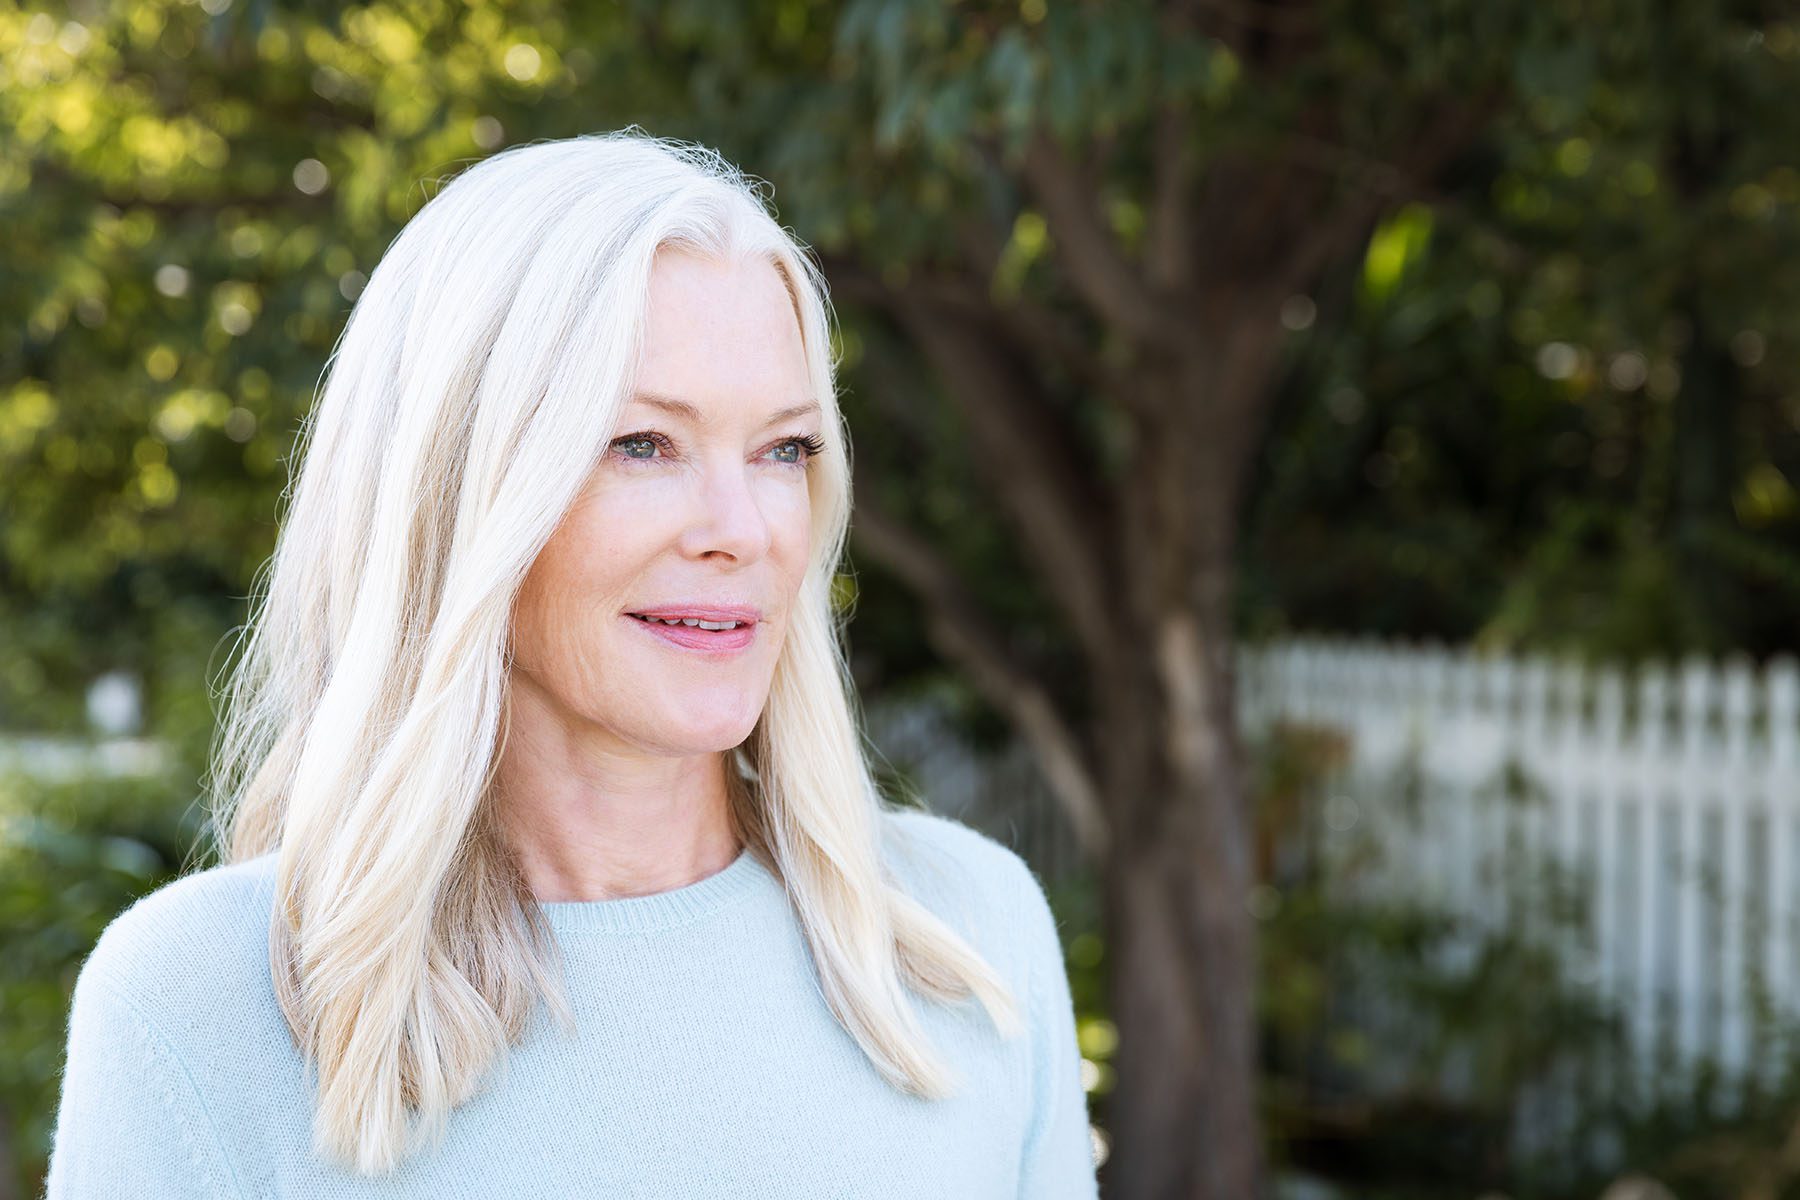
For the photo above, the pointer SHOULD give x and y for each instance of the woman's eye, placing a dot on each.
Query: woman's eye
(641, 447)
(809, 448)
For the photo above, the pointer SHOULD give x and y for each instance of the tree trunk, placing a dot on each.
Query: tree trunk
(1180, 935)
(1183, 1118)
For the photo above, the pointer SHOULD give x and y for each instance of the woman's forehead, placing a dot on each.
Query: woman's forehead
(721, 338)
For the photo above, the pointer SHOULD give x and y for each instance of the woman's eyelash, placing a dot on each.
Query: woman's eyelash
(642, 435)
(812, 443)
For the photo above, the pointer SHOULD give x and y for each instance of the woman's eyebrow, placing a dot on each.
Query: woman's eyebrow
(691, 413)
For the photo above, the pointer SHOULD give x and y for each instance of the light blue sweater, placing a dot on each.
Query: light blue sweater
(705, 1063)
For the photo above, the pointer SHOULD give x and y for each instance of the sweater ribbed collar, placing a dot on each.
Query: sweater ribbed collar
(659, 910)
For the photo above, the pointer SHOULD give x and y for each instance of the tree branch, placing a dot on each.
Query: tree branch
(1169, 242)
(1052, 336)
(1102, 276)
(964, 635)
(1444, 136)
(1030, 456)
(1390, 182)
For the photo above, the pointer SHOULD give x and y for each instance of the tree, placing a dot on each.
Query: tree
(1103, 228)
(1098, 224)
(1090, 223)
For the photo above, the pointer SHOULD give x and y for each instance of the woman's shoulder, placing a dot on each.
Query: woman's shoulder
(169, 1074)
(198, 941)
(918, 837)
(956, 869)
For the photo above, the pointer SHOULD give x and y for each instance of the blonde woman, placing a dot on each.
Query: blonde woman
(552, 861)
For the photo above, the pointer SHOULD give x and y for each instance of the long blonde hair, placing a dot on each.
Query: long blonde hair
(477, 381)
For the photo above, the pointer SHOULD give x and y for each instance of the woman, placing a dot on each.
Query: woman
(553, 865)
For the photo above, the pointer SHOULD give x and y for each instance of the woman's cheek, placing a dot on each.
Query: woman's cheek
(790, 504)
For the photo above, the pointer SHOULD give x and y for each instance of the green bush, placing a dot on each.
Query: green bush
(1403, 1043)
(72, 855)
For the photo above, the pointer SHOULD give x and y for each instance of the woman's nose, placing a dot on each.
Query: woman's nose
(728, 515)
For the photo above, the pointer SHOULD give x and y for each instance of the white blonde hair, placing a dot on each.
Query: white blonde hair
(475, 385)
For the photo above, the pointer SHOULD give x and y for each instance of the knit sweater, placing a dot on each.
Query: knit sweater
(705, 1062)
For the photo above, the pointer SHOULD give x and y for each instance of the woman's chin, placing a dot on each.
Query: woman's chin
(700, 726)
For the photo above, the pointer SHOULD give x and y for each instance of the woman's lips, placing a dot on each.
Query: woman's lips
(692, 637)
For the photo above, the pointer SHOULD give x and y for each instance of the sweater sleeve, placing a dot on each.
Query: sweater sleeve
(130, 1121)
(1057, 1162)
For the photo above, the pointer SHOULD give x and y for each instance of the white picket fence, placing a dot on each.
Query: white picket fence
(1672, 792)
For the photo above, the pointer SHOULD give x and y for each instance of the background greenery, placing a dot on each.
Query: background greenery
(1551, 399)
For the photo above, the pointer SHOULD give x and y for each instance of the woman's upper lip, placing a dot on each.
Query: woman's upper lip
(701, 612)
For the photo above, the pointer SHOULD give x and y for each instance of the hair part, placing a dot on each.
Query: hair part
(476, 382)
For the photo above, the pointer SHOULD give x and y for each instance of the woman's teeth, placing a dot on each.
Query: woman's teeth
(715, 625)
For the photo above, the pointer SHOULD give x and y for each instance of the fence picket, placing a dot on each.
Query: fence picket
(1672, 789)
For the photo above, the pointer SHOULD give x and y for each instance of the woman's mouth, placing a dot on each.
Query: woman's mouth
(697, 633)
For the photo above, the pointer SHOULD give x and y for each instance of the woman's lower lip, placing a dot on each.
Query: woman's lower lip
(692, 637)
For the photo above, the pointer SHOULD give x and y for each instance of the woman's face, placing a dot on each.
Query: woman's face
(698, 508)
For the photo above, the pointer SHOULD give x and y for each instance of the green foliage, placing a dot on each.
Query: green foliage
(196, 198)
(1400, 1038)
(1595, 582)
(1574, 421)
(1403, 1042)
(72, 855)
